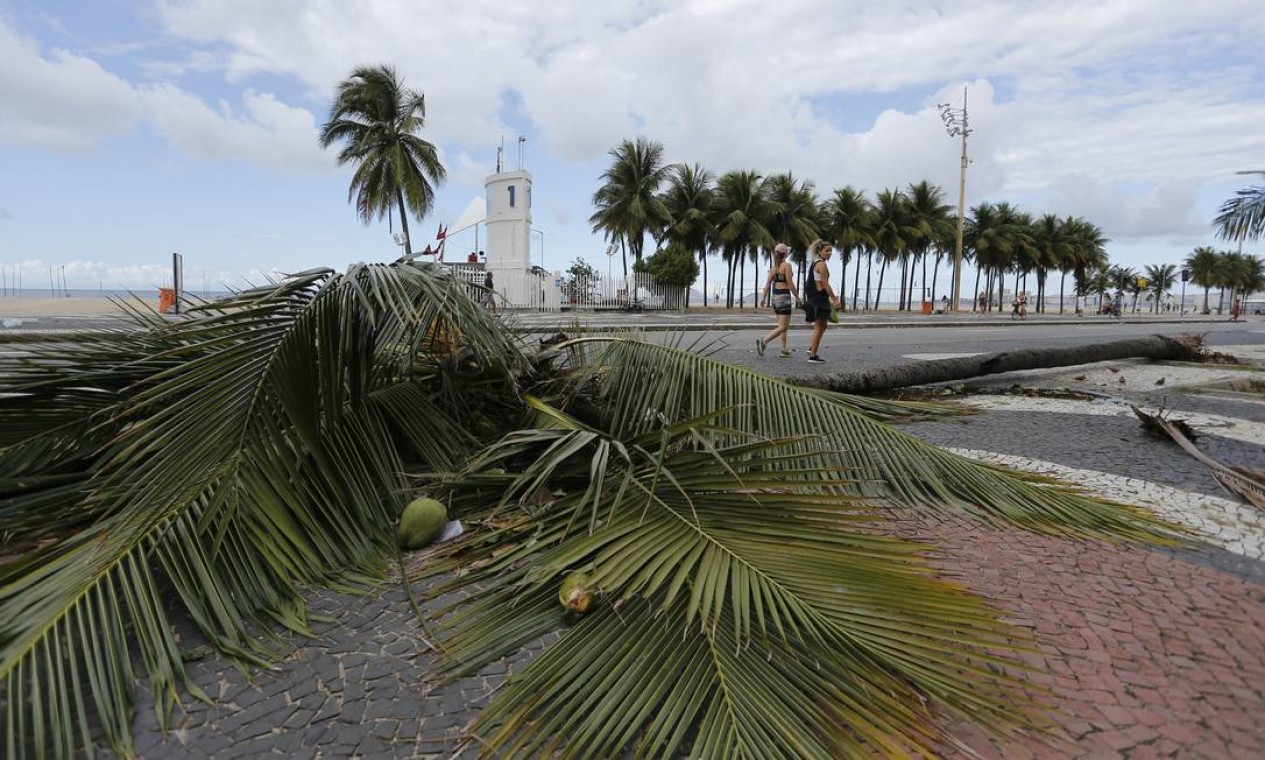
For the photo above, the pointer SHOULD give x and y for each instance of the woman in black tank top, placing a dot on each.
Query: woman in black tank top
(779, 292)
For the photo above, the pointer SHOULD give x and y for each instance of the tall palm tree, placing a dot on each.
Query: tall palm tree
(222, 463)
(793, 213)
(991, 239)
(627, 205)
(893, 231)
(742, 217)
(378, 118)
(1243, 216)
(1051, 247)
(1160, 279)
(929, 219)
(1204, 264)
(689, 200)
(848, 224)
(1086, 252)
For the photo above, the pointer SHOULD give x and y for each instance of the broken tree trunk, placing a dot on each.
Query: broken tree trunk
(1155, 347)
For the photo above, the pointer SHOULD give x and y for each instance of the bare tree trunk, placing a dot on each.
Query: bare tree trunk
(1154, 347)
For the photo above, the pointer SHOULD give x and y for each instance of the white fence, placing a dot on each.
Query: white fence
(555, 291)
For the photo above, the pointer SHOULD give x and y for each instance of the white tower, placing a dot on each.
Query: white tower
(508, 221)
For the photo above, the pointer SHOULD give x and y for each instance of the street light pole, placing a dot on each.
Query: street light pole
(542, 246)
(957, 123)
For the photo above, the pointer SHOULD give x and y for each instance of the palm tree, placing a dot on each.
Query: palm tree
(990, 239)
(742, 217)
(931, 220)
(848, 224)
(223, 462)
(893, 231)
(1051, 246)
(1160, 279)
(689, 200)
(1204, 264)
(1243, 217)
(1086, 252)
(378, 119)
(793, 214)
(627, 205)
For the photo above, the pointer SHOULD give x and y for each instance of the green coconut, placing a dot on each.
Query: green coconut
(577, 592)
(421, 523)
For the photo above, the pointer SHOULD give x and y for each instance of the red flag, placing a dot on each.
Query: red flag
(442, 233)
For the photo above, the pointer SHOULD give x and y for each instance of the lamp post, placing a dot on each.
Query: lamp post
(542, 246)
(957, 123)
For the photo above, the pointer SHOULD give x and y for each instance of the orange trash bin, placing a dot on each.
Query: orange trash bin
(166, 300)
(926, 307)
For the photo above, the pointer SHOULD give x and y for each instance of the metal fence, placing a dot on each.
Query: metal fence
(553, 291)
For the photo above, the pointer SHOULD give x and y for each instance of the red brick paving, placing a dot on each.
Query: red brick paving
(1148, 655)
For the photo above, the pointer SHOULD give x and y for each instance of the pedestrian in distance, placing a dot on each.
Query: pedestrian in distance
(489, 294)
(779, 292)
(1080, 304)
(819, 297)
(1236, 308)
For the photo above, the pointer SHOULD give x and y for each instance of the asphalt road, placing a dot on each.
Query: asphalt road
(846, 350)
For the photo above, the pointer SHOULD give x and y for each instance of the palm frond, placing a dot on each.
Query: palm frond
(250, 449)
(781, 623)
(643, 386)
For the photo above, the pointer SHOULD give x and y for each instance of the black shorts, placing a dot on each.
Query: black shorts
(817, 309)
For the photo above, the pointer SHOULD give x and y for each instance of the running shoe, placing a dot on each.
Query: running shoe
(759, 346)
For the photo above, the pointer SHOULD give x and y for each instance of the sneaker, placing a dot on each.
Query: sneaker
(815, 359)
(759, 346)
(784, 355)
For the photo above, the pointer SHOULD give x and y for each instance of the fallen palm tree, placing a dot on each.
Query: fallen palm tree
(1153, 347)
(1250, 487)
(740, 596)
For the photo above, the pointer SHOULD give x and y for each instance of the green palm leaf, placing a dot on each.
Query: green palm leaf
(641, 384)
(751, 617)
(251, 449)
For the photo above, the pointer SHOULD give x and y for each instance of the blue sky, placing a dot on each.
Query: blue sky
(133, 129)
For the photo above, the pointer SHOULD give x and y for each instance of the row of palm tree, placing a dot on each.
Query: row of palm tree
(742, 214)
(1241, 273)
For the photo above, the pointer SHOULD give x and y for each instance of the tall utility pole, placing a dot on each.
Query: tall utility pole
(957, 123)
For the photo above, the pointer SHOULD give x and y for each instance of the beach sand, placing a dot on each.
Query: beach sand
(35, 308)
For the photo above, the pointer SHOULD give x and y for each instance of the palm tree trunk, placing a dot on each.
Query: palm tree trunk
(1062, 287)
(935, 276)
(623, 254)
(869, 270)
(843, 282)
(742, 280)
(408, 243)
(975, 293)
(706, 302)
(879, 294)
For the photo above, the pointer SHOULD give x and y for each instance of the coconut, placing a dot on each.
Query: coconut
(577, 591)
(421, 523)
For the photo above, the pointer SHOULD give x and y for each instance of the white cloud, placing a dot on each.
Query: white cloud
(264, 131)
(61, 101)
(1159, 92)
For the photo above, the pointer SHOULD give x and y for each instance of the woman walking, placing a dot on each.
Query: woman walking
(779, 292)
(819, 297)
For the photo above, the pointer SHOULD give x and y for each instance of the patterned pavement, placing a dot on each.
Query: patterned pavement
(1148, 653)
